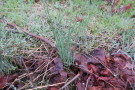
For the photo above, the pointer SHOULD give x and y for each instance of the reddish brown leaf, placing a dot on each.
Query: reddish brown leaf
(118, 83)
(81, 59)
(58, 64)
(53, 88)
(105, 72)
(58, 73)
(3, 81)
(113, 10)
(96, 88)
(133, 16)
(94, 68)
(125, 8)
(79, 19)
(80, 86)
(116, 2)
(63, 75)
(11, 78)
(123, 56)
(92, 60)
(7, 79)
(129, 65)
(99, 54)
(104, 78)
(103, 7)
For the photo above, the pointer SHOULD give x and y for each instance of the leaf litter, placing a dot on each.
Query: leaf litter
(93, 71)
(109, 73)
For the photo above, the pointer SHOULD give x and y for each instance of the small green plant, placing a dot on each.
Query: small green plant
(63, 39)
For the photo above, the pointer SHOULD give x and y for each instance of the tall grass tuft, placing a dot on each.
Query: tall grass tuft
(63, 39)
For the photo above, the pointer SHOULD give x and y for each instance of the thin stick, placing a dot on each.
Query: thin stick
(28, 73)
(40, 87)
(70, 81)
(87, 82)
(33, 35)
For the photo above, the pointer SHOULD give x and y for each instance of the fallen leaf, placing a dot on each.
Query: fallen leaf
(125, 8)
(133, 16)
(80, 86)
(103, 8)
(57, 72)
(99, 54)
(7, 79)
(116, 2)
(79, 19)
(105, 72)
(94, 68)
(96, 88)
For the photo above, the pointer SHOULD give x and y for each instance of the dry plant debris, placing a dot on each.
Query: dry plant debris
(94, 71)
(102, 72)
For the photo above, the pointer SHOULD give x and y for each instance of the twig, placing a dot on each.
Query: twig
(87, 82)
(28, 73)
(33, 35)
(23, 88)
(70, 81)
(40, 87)
(43, 73)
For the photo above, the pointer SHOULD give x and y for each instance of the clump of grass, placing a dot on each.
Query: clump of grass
(63, 38)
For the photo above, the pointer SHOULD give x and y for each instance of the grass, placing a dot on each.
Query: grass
(63, 41)
(6, 65)
(128, 42)
(57, 22)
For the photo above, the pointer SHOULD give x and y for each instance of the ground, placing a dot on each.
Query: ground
(73, 26)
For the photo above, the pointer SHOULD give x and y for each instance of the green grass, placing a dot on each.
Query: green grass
(63, 41)
(128, 42)
(6, 65)
(56, 21)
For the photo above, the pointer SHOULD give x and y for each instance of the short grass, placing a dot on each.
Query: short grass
(57, 21)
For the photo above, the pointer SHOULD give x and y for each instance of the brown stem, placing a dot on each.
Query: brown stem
(52, 85)
(25, 31)
(66, 84)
